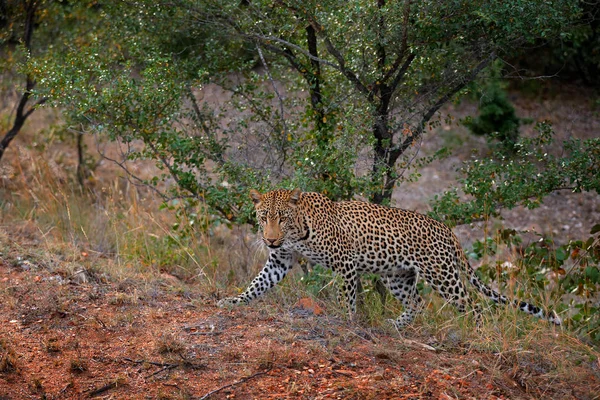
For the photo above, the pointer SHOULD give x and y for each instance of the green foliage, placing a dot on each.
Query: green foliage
(131, 72)
(317, 280)
(497, 117)
(568, 273)
(488, 246)
(524, 179)
(578, 51)
(573, 55)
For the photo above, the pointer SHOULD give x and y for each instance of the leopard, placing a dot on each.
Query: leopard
(356, 237)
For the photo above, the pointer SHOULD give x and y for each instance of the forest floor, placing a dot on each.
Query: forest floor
(74, 324)
(63, 338)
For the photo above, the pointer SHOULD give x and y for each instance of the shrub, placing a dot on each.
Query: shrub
(497, 117)
(568, 273)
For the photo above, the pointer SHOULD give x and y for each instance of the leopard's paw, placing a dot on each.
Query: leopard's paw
(229, 302)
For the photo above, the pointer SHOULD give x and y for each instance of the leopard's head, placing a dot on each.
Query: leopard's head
(276, 213)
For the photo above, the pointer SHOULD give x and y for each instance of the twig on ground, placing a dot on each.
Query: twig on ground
(166, 366)
(100, 322)
(103, 389)
(411, 342)
(213, 333)
(158, 364)
(343, 373)
(163, 369)
(207, 395)
(63, 390)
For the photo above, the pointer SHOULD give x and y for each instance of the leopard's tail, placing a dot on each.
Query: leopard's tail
(528, 308)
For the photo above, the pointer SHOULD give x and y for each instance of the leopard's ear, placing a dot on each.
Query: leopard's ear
(295, 196)
(255, 196)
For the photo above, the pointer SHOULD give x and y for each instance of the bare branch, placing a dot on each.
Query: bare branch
(281, 108)
(400, 74)
(516, 74)
(134, 179)
(267, 39)
(216, 156)
(462, 82)
(21, 116)
(331, 49)
(37, 103)
(209, 394)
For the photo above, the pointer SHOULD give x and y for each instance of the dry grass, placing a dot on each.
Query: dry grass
(167, 343)
(117, 231)
(517, 348)
(8, 357)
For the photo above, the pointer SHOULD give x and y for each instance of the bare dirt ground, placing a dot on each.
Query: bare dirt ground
(68, 340)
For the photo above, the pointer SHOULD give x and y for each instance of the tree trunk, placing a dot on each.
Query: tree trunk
(383, 164)
(21, 116)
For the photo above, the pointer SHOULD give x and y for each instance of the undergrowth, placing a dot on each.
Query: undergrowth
(116, 229)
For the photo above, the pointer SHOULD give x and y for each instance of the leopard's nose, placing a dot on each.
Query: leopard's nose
(271, 241)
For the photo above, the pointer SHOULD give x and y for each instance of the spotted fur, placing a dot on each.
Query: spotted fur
(353, 237)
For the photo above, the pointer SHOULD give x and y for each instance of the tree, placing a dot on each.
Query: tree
(27, 10)
(401, 60)
(376, 74)
(32, 31)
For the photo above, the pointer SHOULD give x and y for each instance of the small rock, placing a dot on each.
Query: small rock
(26, 265)
(310, 305)
(508, 265)
(80, 277)
(56, 278)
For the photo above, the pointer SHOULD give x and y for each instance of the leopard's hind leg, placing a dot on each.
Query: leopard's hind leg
(403, 286)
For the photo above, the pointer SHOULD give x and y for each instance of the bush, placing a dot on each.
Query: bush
(531, 173)
(497, 117)
(568, 273)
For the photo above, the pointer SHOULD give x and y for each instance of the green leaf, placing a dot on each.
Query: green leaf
(593, 274)
(561, 254)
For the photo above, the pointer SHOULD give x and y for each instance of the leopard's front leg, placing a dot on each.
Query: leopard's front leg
(278, 265)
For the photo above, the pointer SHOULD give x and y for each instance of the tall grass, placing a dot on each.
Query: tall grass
(116, 228)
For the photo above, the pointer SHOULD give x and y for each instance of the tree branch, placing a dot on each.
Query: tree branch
(331, 49)
(381, 54)
(267, 39)
(462, 82)
(216, 156)
(209, 394)
(281, 108)
(402, 71)
(21, 116)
